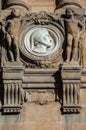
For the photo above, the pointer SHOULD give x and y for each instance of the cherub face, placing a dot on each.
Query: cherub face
(16, 12)
(69, 12)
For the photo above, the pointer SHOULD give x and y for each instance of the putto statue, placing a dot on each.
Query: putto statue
(74, 28)
(83, 43)
(13, 25)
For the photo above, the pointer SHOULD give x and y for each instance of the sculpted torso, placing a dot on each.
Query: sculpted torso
(72, 26)
(14, 26)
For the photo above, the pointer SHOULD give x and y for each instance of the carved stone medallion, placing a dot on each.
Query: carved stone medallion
(41, 42)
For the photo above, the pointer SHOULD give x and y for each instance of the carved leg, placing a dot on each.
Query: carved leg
(83, 54)
(9, 47)
(10, 54)
(75, 49)
(69, 46)
(16, 49)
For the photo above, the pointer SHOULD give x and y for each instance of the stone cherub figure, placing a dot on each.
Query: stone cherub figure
(12, 29)
(73, 29)
(82, 42)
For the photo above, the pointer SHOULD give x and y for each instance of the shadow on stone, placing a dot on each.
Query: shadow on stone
(58, 88)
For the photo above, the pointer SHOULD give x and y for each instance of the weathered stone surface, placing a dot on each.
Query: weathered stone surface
(43, 81)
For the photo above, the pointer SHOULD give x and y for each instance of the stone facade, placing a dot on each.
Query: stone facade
(42, 65)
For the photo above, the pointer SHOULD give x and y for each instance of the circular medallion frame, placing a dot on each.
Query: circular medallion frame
(26, 39)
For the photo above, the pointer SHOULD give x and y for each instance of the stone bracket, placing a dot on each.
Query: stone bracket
(71, 80)
(12, 83)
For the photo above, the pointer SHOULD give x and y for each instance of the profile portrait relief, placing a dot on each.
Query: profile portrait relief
(42, 41)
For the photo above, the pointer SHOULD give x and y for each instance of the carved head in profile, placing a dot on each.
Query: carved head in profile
(43, 37)
(15, 13)
(42, 41)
